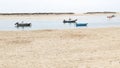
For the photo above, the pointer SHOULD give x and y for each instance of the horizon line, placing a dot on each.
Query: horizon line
(50, 13)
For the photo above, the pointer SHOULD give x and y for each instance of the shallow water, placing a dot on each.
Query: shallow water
(56, 22)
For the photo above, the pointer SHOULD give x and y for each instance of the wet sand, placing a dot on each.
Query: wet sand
(74, 48)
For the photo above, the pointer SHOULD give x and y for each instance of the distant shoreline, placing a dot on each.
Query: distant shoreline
(101, 13)
(60, 13)
(35, 13)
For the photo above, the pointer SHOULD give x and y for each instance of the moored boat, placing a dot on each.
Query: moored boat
(110, 16)
(22, 24)
(69, 21)
(81, 24)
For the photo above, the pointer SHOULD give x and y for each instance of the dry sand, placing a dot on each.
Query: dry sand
(75, 48)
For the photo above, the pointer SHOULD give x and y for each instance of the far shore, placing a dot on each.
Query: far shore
(61, 13)
(36, 13)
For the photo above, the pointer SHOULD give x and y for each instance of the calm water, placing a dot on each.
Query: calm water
(56, 22)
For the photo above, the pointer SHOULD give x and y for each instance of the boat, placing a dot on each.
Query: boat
(111, 16)
(69, 21)
(22, 24)
(81, 24)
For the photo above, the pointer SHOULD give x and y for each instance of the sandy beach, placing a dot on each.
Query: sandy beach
(74, 48)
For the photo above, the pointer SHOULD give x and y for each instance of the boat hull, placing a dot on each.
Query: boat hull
(81, 24)
(72, 21)
(22, 24)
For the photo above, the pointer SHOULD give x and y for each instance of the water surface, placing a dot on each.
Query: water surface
(56, 22)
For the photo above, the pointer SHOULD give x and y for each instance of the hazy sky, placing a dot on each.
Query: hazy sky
(58, 5)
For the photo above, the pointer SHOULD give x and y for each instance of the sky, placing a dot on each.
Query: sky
(77, 6)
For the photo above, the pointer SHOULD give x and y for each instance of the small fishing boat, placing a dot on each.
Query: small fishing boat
(22, 24)
(110, 16)
(69, 21)
(81, 24)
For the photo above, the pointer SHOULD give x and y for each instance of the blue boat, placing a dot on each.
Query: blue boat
(81, 24)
